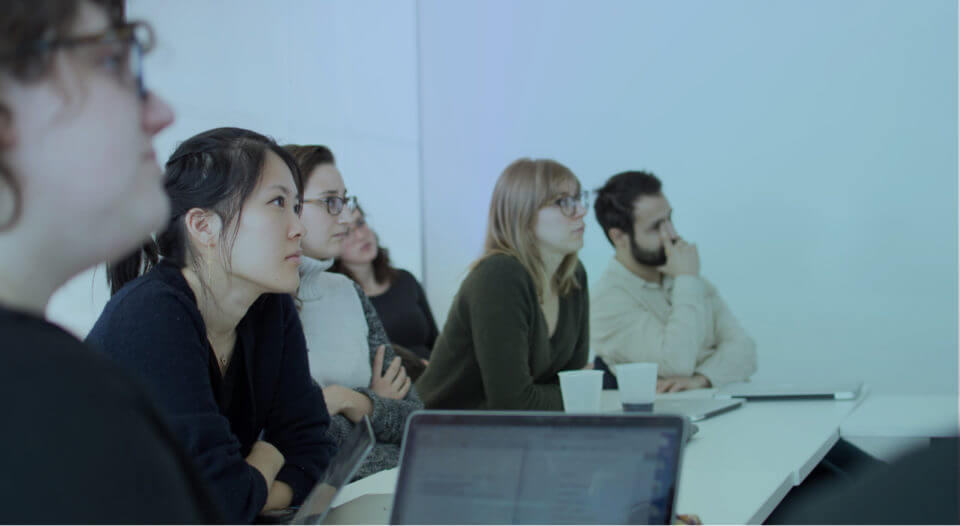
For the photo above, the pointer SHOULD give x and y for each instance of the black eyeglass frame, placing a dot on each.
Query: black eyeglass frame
(335, 204)
(138, 34)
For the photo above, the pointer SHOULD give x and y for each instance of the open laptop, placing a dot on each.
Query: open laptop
(476, 467)
(790, 391)
(353, 451)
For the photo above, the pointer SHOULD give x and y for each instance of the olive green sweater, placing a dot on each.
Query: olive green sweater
(495, 352)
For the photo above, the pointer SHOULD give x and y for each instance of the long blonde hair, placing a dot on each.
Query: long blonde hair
(524, 187)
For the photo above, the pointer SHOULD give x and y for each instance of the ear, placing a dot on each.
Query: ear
(203, 227)
(620, 238)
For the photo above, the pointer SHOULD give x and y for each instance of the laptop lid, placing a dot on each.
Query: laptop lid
(781, 391)
(696, 409)
(353, 451)
(476, 467)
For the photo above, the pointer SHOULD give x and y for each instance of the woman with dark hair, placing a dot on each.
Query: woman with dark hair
(522, 313)
(204, 317)
(350, 355)
(398, 297)
(82, 441)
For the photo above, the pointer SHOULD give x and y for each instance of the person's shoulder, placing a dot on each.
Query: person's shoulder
(66, 399)
(610, 279)
(154, 291)
(710, 287)
(498, 267)
(146, 304)
(405, 277)
(323, 285)
(22, 331)
(29, 357)
(498, 278)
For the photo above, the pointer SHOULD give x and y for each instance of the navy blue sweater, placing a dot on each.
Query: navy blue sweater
(154, 328)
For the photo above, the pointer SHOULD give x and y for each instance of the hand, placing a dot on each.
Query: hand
(687, 519)
(674, 384)
(349, 403)
(682, 257)
(394, 382)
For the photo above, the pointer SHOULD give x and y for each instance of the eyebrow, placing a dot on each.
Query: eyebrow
(662, 219)
(280, 187)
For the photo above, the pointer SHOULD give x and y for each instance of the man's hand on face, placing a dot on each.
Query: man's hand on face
(682, 257)
(673, 384)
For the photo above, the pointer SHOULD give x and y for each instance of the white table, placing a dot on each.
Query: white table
(887, 426)
(741, 464)
(735, 470)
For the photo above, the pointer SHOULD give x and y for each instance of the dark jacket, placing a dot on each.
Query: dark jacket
(82, 443)
(154, 328)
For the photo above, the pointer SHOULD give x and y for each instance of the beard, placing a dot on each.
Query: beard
(650, 258)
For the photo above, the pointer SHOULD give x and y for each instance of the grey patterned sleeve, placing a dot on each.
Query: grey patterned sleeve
(389, 416)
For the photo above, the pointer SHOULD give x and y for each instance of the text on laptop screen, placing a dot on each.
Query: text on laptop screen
(539, 474)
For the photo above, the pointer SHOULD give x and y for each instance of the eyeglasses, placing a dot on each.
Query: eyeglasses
(335, 204)
(357, 225)
(126, 45)
(568, 203)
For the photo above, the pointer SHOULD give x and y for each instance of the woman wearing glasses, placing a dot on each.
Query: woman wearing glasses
(79, 183)
(521, 314)
(350, 356)
(396, 294)
(211, 327)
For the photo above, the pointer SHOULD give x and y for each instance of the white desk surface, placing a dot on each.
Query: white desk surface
(735, 470)
(790, 436)
(903, 416)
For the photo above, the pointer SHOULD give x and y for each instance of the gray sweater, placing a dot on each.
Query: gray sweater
(389, 416)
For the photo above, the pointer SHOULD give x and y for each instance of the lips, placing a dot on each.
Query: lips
(296, 255)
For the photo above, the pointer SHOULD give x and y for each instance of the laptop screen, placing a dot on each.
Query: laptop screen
(353, 450)
(523, 468)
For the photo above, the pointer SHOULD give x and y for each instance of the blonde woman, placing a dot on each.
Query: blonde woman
(521, 315)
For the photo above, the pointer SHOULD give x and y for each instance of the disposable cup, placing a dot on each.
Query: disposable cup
(581, 390)
(638, 385)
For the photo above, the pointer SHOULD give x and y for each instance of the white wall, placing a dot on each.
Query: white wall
(808, 147)
(340, 73)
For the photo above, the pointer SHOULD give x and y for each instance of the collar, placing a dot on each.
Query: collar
(314, 278)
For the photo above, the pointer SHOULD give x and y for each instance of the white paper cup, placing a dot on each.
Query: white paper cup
(638, 385)
(581, 390)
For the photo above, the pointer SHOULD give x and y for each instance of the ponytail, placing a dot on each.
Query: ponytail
(132, 266)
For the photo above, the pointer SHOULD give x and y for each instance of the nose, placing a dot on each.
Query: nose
(581, 210)
(672, 232)
(296, 230)
(345, 217)
(157, 114)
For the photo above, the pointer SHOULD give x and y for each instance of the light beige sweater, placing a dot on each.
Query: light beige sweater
(682, 325)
